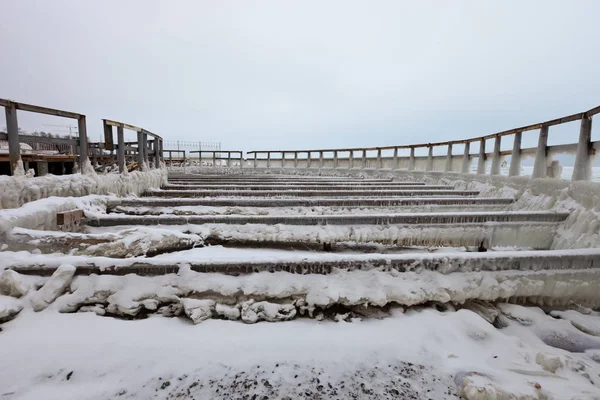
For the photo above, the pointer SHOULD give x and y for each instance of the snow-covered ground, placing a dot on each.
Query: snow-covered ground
(419, 354)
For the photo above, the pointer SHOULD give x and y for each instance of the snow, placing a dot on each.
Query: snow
(443, 325)
(18, 190)
(12, 284)
(53, 288)
(9, 308)
(420, 350)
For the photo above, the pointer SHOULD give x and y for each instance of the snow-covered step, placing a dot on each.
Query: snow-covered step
(352, 219)
(223, 178)
(328, 210)
(308, 193)
(445, 263)
(313, 202)
(285, 183)
(304, 187)
(537, 235)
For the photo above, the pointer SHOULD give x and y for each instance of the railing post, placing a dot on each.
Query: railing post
(466, 161)
(121, 149)
(320, 159)
(140, 157)
(335, 159)
(495, 170)
(214, 159)
(379, 161)
(161, 153)
(255, 159)
(583, 160)
(282, 159)
(540, 165)
(481, 161)
(449, 158)
(12, 130)
(145, 146)
(515, 157)
(295, 159)
(156, 152)
(228, 159)
(395, 160)
(364, 159)
(83, 144)
(429, 166)
(411, 159)
(308, 159)
(268, 159)
(351, 159)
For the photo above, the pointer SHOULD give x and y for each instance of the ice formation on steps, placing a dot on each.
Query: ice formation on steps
(132, 242)
(18, 190)
(54, 287)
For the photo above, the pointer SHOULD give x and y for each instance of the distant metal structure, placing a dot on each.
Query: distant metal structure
(190, 147)
(219, 155)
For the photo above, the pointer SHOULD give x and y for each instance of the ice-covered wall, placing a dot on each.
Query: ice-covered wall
(18, 190)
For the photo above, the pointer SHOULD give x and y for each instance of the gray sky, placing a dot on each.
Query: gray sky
(304, 74)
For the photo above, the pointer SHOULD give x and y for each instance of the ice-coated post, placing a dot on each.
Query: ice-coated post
(254, 159)
(156, 152)
(395, 160)
(351, 159)
(268, 159)
(308, 159)
(228, 159)
(429, 166)
(411, 159)
(83, 144)
(335, 159)
(145, 146)
(12, 129)
(583, 160)
(379, 162)
(449, 158)
(282, 159)
(540, 164)
(140, 145)
(320, 159)
(481, 161)
(121, 149)
(466, 162)
(515, 157)
(295, 159)
(364, 159)
(495, 170)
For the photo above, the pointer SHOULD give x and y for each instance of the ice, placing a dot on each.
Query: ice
(53, 287)
(198, 310)
(12, 284)
(9, 308)
(18, 190)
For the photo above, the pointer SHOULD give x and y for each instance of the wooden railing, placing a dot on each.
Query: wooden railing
(345, 158)
(80, 145)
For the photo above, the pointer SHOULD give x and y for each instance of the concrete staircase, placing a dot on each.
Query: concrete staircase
(410, 224)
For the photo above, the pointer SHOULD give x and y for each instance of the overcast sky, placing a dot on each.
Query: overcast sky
(304, 74)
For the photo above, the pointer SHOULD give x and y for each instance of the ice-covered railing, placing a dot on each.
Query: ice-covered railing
(221, 158)
(142, 148)
(356, 158)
